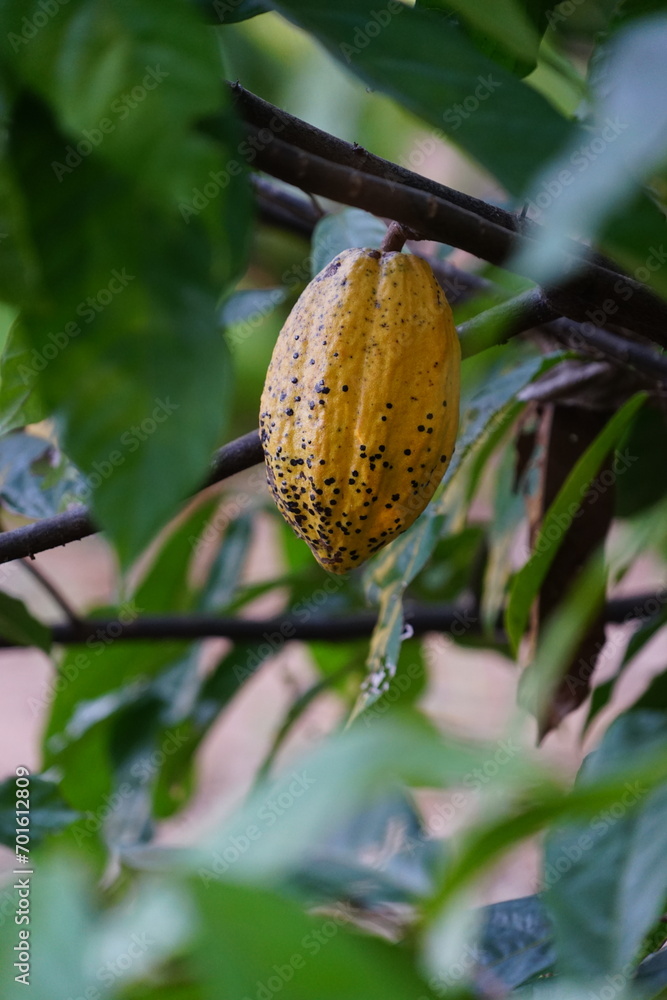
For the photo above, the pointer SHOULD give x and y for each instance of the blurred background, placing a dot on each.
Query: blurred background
(469, 692)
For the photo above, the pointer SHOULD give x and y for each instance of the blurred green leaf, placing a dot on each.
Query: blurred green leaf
(647, 484)
(93, 685)
(243, 308)
(333, 658)
(131, 423)
(254, 940)
(508, 513)
(20, 400)
(17, 264)
(516, 940)
(489, 385)
(608, 878)
(644, 633)
(17, 625)
(165, 585)
(35, 479)
(126, 313)
(226, 571)
(559, 639)
(382, 855)
(86, 950)
(128, 85)
(651, 978)
(528, 580)
(333, 784)
(191, 705)
(47, 811)
(231, 11)
(55, 968)
(505, 24)
(546, 805)
(454, 561)
(596, 176)
(426, 62)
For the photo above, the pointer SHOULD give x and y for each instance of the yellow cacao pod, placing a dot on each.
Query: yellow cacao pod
(360, 407)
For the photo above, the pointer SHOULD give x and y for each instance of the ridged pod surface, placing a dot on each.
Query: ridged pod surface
(359, 411)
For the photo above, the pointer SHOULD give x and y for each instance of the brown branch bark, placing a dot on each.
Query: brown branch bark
(584, 285)
(281, 629)
(313, 160)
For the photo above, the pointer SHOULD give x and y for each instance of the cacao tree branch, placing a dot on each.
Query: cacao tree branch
(52, 590)
(78, 523)
(259, 113)
(263, 115)
(278, 206)
(497, 324)
(532, 309)
(311, 159)
(463, 619)
(585, 283)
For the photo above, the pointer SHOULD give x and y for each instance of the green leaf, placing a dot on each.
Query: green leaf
(165, 586)
(426, 63)
(92, 686)
(192, 705)
(516, 940)
(504, 23)
(90, 951)
(47, 813)
(252, 939)
(119, 323)
(546, 805)
(35, 480)
(129, 423)
(490, 382)
(389, 831)
(337, 781)
(128, 85)
(651, 975)
(20, 400)
(508, 513)
(456, 558)
(640, 638)
(596, 177)
(608, 878)
(231, 11)
(17, 625)
(243, 309)
(56, 968)
(17, 263)
(564, 630)
(646, 437)
(528, 580)
(226, 571)
(341, 230)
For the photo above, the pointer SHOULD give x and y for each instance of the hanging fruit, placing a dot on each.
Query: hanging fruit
(360, 407)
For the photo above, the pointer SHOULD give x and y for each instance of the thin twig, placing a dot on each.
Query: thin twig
(532, 309)
(460, 620)
(60, 600)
